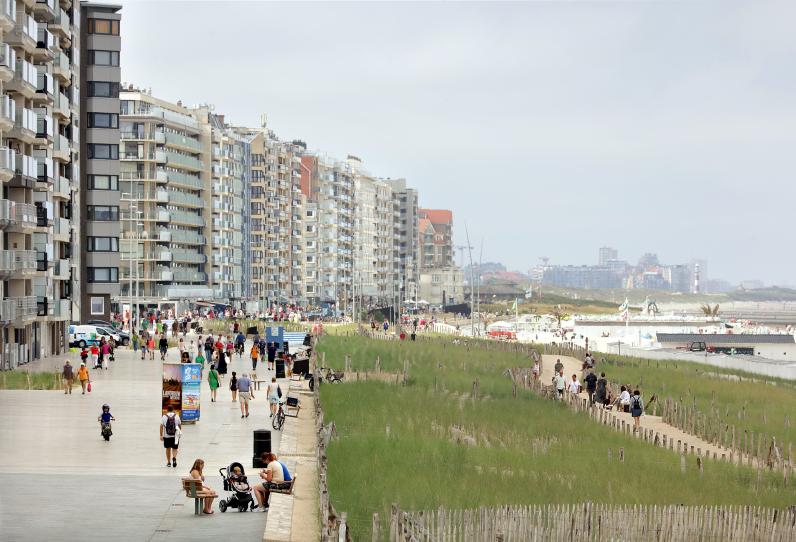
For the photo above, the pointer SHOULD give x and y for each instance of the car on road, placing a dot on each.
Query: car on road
(124, 337)
(82, 336)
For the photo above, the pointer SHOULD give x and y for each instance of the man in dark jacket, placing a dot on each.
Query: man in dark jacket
(591, 385)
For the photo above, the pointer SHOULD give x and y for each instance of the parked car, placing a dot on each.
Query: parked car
(86, 335)
(124, 337)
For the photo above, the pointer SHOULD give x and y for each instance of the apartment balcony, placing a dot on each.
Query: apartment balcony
(189, 276)
(142, 135)
(7, 217)
(25, 33)
(165, 276)
(44, 128)
(25, 126)
(180, 198)
(182, 142)
(62, 150)
(26, 170)
(8, 310)
(61, 68)
(62, 309)
(187, 218)
(188, 256)
(61, 25)
(45, 172)
(44, 45)
(61, 106)
(45, 87)
(178, 179)
(46, 9)
(164, 256)
(62, 188)
(61, 270)
(182, 237)
(183, 161)
(8, 60)
(61, 230)
(25, 79)
(22, 217)
(8, 14)
(8, 113)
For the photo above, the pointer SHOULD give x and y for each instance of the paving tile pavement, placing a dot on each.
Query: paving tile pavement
(60, 481)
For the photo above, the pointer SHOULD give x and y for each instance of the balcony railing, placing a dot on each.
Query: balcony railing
(8, 108)
(27, 166)
(24, 214)
(182, 160)
(26, 307)
(44, 39)
(182, 141)
(27, 72)
(44, 83)
(8, 57)
(8, 158)
(8, 9)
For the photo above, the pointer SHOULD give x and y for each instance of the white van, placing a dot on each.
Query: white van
(81, 336)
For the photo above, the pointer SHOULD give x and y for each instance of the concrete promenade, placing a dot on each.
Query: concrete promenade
(59, 480)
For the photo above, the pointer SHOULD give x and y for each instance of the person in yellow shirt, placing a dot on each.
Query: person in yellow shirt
(82, 375)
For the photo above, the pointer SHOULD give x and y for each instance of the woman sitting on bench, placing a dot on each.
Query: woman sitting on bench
(275, 476)
(207, 492)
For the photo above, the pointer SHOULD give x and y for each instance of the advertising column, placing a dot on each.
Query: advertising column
(191, 386)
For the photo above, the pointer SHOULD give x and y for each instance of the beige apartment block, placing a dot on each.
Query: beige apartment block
(405, 252)
(329, 185)
(39, 170)
(166, 183)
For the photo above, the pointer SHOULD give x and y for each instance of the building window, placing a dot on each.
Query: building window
(436, 279)
(103, 58)
(103, 26)
(310, 213)
(103, 89)
(103, 120)
(103, 213)
(103, 274)
(97, 305)
(103, 151)
(103, 182)
(103, 244)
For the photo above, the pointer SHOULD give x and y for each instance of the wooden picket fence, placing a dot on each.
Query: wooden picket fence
(590, 522)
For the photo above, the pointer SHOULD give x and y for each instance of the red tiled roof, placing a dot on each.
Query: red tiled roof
(437, 216)
(423, 224)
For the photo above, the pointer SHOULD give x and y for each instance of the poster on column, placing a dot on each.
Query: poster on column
(172, 387)
(191, 388)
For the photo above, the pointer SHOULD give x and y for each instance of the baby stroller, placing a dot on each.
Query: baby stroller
(235, 483)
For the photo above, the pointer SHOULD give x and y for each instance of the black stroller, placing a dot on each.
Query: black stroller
(240, 491)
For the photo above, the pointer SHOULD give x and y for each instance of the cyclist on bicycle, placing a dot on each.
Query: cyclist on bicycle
(239, 342)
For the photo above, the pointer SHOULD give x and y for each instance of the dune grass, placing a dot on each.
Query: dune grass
(430, 444)
(24, 380)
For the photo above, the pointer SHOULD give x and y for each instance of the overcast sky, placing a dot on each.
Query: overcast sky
(550, 128)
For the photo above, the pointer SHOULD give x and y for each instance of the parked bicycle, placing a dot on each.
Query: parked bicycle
(278, 419)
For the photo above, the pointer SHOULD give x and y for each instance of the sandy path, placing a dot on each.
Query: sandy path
(648, 422)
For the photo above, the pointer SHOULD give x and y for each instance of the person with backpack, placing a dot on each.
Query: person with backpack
(636, 409)
(209, 343)
(274, 476)
(170, 432)
(591, 385)
(601, 393)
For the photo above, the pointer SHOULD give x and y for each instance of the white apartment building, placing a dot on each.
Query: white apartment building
(165, 180)
(39, 170)
(373, 238)
(230, 175)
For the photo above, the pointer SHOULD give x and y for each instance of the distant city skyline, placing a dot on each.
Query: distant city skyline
(549, 128)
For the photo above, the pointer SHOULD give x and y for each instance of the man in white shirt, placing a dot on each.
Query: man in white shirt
(170, 435)
(574, 385)
(560, 383)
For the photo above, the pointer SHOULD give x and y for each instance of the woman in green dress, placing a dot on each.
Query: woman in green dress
(212, 379)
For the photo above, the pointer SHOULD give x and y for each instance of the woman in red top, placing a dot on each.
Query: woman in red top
(95, 355)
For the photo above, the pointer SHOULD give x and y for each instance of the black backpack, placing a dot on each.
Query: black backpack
(636, 402)
(171, 425)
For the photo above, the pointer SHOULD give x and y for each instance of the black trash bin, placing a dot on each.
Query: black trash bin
(262, 444)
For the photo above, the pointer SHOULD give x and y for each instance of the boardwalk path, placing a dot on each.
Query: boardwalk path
(655, 423)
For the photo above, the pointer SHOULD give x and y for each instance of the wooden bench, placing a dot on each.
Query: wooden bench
(194, 490)
(286, 490)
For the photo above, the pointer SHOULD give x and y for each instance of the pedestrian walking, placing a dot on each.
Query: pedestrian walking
(574, 385)
(245, 394)
(209, 349)
(600, 393)
(164, 347)
(68, 376)
(535, 370)
(105, 351)
(136, 340)
(591, 385)
(151, 346)
(221, 364)
(255, 353)
(273, 392)
(560, 383)
(94, 349)
(83, 377)
(636, 409)
(212, 380)
(170, 431)
(271, 350)
(233, 386)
